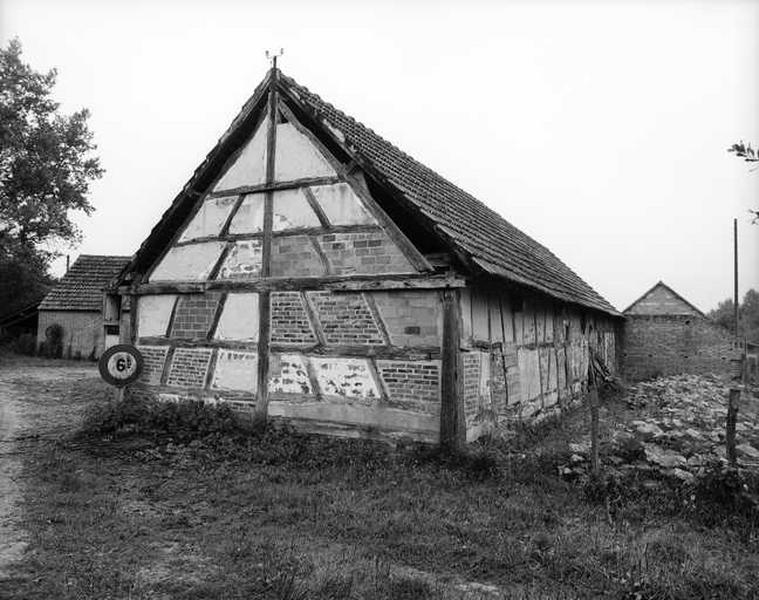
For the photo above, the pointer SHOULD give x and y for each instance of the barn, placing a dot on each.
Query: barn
(664, 334)
(311, 270)
(75, 305)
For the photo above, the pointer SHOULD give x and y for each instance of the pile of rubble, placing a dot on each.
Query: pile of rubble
(677, 429)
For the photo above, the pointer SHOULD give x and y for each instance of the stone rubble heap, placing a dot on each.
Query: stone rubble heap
(679, 429)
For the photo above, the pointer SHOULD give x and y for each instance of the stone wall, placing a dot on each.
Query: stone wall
(670, 344)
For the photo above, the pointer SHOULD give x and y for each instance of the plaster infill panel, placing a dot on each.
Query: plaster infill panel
(236, 370)
(341, 205)
(209, 219)
(289, 375)
(154, 314)
(297, 157)
(348, 378)
(239, 318)
(243, 261)
(291, 210)
(249, 217)
(249, 167)
(193, 262)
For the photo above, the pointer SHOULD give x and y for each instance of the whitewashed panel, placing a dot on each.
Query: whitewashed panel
(297, 157)
(154, 314)
(249, 218)
(193, 262)
(346, 377)
(250, 166)
(236, 370)
(209, 219)
(341, 205)
(243, 261)
(239, 318)
(292, 211)
(289, 375)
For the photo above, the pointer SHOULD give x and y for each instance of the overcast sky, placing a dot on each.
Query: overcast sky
(598, 128)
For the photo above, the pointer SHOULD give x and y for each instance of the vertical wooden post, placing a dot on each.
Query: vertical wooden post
(133, 319)
(735, 275)
(452, 423)
(594, 429)
(732, 415)
(264, 298)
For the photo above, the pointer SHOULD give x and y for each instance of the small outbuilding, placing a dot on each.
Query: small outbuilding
(311, 270)
(70, 322)
(664, 334)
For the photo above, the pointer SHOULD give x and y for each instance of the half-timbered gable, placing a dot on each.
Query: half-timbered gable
(310, 270)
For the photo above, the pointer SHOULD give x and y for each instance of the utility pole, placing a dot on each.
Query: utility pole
(735, 274)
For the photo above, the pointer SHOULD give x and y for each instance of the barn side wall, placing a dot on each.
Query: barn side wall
(82, 332)
(525, 358)
(671, 344)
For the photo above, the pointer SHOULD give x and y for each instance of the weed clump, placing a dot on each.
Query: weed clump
(184, 420)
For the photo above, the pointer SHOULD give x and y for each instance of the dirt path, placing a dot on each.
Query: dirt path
(28, 391)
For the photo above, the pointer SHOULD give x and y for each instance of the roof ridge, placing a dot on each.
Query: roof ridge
(353, 120)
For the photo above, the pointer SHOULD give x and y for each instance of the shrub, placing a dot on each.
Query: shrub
(53, 345)
(185, 420)
(725, 493)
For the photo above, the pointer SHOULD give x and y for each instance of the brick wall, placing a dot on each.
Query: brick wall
(194, 315)
(411, 318)
(669, 344)
(412, 384)
(366, 252)
(154, 358)
(346, 318)
(189, 367)
(82, 332)
(295, 256)
(471, 364)
(289, 320)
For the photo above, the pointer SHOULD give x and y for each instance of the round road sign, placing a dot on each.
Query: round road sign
(120, 365)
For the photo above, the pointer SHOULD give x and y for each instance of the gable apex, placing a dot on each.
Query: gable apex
(661, 299)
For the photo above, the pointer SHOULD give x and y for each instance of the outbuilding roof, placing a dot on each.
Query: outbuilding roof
(81, 289)
(488, 243)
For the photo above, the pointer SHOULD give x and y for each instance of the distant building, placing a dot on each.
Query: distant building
(665, 334)
(76, 304)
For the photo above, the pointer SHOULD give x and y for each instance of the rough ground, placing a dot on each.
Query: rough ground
(24, 418)
(676, 427)
(146, 515)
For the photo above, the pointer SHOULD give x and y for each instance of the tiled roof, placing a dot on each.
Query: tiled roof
(82, 287)
(491, 242)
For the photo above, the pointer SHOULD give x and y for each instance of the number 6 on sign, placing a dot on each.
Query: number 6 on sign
(120, 365)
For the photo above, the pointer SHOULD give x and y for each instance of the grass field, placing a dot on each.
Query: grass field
(274, 514)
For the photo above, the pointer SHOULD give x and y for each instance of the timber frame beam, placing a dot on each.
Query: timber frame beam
(334, 283)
